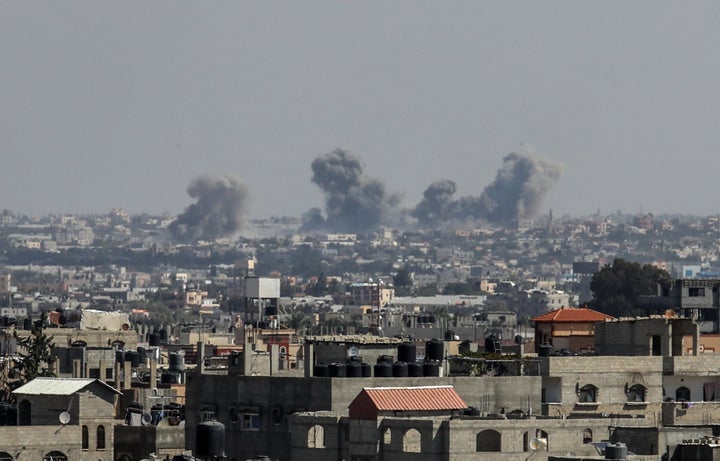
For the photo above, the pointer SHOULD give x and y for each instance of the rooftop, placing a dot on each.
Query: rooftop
(58, 386)
(573, 314)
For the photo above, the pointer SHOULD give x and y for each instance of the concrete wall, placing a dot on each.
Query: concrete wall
(137, 442)
(277, 397)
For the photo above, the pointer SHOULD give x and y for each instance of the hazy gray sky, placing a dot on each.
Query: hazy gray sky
(121, 104)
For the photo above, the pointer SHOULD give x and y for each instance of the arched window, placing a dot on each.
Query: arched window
(588, 394)
(543, 436)
(636, 393)
(488, 440)
(55, 456)
(587, 435)
(387, 436)
(85, 438)
(682, 393)
(412, 441)
(316, 437)
(5, 456)
(24, 413)
(100, 437)
(526, 441)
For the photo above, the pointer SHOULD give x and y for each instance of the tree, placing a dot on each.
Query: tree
(617, 288)
(36, 354)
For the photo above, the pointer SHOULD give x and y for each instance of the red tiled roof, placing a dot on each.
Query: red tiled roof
(573, 314)
(370, 401)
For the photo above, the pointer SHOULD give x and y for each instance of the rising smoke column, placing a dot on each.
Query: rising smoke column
(519, 187)
(516, 193)
(219, 210)
(437, 203)
(353, 202)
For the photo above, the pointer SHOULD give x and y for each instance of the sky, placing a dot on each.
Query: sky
(122, 104)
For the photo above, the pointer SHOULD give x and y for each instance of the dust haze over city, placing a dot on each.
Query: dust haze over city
(122, 106)
(307, 231)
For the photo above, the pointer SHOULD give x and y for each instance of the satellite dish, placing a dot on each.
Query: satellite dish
(146, 419)
(537, 443)
(353, 351)
(64, 418)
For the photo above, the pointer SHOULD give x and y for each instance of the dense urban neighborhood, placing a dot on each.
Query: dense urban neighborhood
(122, 342)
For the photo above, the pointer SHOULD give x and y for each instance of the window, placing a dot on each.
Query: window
(5, 456)
(55, 456)
(24, 413)
(488, 440)
(100, 445)
(249, 421)
(636, 393)
(696, 292)
(656, 345)
(412, 441)
(316, 437)
(682, 394)
(85, 438)
(587, 435)
(588, 394)
(387, 436)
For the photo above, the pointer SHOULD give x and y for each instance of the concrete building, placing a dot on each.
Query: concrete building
(62, 419)
(568, 328)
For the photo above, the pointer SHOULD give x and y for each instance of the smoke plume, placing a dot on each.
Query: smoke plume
(353, 202)
(516, 193)
(219, 210)
(437, 203)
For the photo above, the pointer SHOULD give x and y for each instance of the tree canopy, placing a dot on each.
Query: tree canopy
(617, 288)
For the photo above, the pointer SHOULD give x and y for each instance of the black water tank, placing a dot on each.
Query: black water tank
(545, 350)
(616, 451)
(415, 370)
(383, 370)
(400, 370)
(337, 370)
(169, 377)
(407, 352)
(366, 370)
(154, 339)
(27, 324)
(177, 361)
(434, 350)
(431, 369)
(385, 359)
(133, 357)
(518, 339)
(449, 335)
(353, 370)
(490, 344)
(78, 343)
(143, 355)
(320, 370)
(210, 440)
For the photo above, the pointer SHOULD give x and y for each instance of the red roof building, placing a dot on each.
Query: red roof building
(404, 401)
(571, 328)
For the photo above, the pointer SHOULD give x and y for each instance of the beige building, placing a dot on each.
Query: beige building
(61, 419)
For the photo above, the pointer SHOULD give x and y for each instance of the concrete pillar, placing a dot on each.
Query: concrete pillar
(274, 359)
(77, 368)
(102, 375)
(308, 359)
(127, 375)
(116, 375)
(201, 356)
(153, 372)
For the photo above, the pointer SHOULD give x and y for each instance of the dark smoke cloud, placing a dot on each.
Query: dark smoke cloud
(219, 210)
(437, 203)
(353, 202)
(516, 193)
